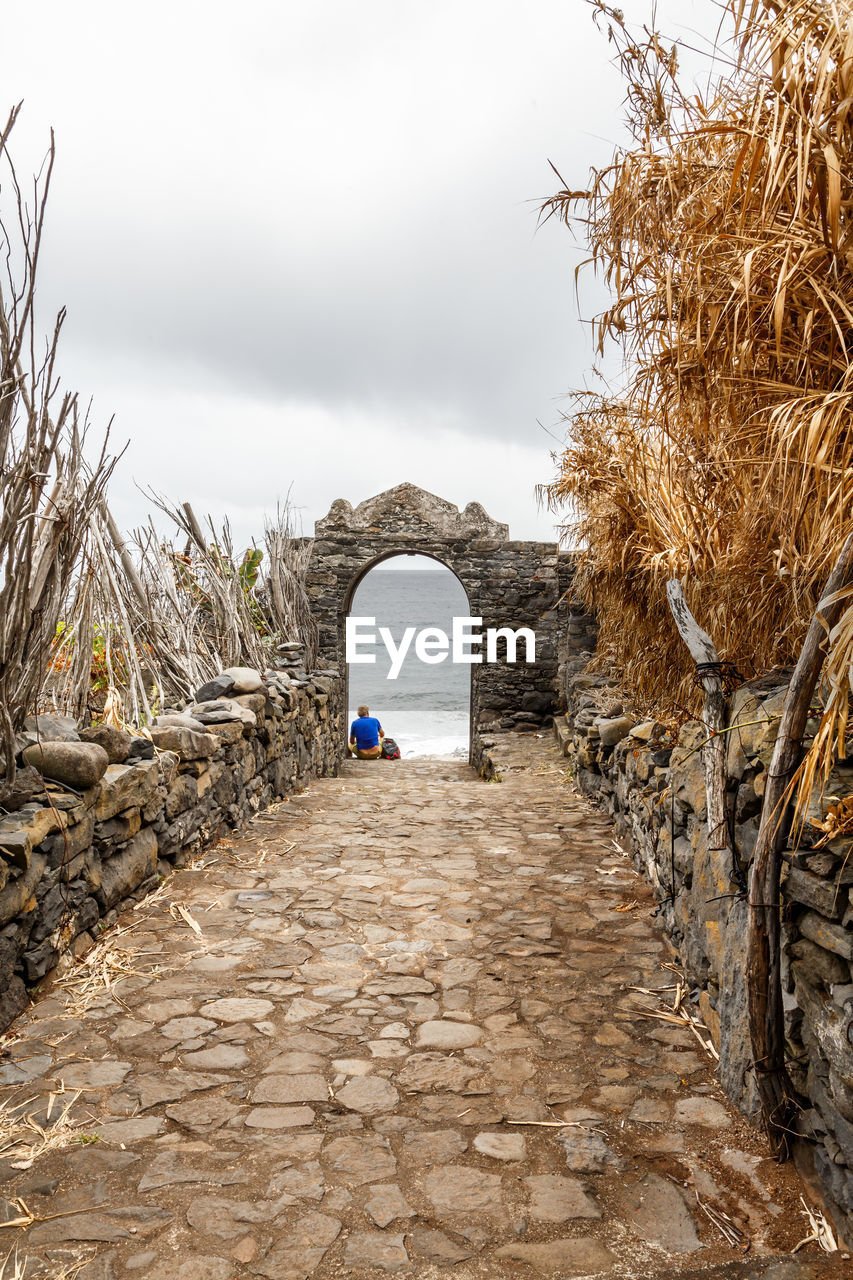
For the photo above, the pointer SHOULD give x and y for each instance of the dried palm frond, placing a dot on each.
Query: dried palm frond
(725, 235)
(820, 1231)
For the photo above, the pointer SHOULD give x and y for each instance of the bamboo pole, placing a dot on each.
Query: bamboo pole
(764, 985)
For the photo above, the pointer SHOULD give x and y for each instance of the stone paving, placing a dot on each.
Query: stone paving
(392, 1030)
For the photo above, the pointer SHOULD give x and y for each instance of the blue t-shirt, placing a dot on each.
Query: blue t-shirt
(365, 730)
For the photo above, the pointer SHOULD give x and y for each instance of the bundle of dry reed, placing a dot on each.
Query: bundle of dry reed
(725, 233)
(48, 490)
(151, 621)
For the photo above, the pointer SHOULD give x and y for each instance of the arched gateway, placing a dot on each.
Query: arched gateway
(509, 584)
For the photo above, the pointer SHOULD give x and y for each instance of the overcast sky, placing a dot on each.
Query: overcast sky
(298, 242)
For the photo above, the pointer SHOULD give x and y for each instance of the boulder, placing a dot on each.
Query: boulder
(184, 742)
(538, 703)
(753, 723)
(77, 764)
(688, 767)
(125, 871)
(647, 730)
(255, 702)
(611, 731)
(221, 711)
(141, 749)
(116, 742)
(227, 731)
(13, 1000)
(822, 895)
(28, 783)
(218, 687)
(50, 729)
(38, 821)
(15, 848)
(126, 786)
(815, 966)
(831, 937)
(179, 720)
(246, 679)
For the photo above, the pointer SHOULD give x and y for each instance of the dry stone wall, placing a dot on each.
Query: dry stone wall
(71, 857)
(653, 787)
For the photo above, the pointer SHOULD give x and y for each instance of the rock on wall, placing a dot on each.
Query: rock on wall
(69, 859)
(654, 789)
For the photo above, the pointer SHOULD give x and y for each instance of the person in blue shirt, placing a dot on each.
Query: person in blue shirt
(365, 736)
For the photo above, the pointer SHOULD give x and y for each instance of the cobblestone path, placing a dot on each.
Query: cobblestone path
(405, 1040)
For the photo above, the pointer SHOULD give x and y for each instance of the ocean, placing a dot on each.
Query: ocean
(426, 709)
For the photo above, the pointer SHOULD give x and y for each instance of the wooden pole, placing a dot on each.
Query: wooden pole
(703, 651)
(194, 526)
(125, 557)
(764, 985)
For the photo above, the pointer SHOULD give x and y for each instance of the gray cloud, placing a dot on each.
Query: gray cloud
(298, 242)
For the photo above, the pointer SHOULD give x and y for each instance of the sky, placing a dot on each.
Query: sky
(298, 243)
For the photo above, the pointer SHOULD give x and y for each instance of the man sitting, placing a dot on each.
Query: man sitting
(365, 736)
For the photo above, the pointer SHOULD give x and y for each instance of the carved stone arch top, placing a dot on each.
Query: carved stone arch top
(509, 584)
(413, 512)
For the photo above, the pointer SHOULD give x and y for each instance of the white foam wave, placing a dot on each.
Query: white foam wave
(450, 745)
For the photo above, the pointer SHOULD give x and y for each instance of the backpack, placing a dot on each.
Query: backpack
(390, 750)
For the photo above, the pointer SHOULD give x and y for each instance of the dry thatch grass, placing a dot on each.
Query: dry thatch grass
(14, 1267)
(48, 489)
(98, 973)
(725, 234)
(23, 1139)
(162, 617)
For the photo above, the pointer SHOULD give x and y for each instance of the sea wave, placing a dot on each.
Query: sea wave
(443, 746)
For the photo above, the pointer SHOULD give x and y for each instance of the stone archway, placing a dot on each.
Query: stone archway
(441, 678)
(509, 584)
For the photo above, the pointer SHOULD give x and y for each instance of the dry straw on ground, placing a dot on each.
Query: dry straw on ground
(24, 1138)
(725, 235)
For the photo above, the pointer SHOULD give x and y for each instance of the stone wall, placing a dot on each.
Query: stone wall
(509, 584)
(72, 857)
(653, 787)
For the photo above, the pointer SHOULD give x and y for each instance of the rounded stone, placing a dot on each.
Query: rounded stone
(116, 742)
(78, 764)
(369, 1095)
(238, 1009)
(218, 687)
(611, 731)
(179, 720)
(246, 679)
(47, 728)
